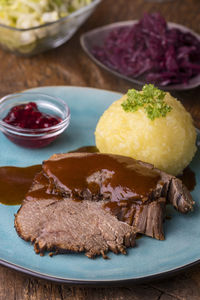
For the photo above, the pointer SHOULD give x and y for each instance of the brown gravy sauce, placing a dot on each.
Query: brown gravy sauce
(42, 191)
(120, 177)
(15, 182)
(88, 149)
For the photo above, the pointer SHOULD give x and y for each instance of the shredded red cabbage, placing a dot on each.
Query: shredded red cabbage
(163, 56)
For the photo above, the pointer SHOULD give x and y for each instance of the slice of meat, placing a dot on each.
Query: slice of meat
(111, 176)
(179, 196)
(148, 218)
(164, 185)
(64, 225)
(93, 203)
(143, 208)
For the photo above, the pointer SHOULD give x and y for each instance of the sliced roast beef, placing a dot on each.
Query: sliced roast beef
(64, 225)
(96, 185)
(179, 196)
(136, 195)
(93, 203)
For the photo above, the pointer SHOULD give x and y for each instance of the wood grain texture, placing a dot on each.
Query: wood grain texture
(15, 285)
(68, 65)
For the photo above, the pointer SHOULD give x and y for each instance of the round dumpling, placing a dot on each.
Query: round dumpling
(166, 142)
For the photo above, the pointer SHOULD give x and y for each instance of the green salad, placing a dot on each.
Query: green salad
(30, 13)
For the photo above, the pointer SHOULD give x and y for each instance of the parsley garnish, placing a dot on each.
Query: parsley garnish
(151, 98)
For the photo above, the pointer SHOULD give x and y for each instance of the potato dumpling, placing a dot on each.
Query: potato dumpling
(166, 142)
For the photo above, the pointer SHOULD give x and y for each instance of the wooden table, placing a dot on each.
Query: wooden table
(68, 65)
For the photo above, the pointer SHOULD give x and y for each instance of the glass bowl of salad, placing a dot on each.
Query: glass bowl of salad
(28, 27)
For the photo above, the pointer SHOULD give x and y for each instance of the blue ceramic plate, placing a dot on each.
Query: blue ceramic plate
(150, 259)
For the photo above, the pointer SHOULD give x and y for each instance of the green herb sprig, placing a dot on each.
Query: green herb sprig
(151, 98)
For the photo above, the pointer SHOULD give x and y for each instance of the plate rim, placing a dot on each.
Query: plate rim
(108, 282)
(175, 87)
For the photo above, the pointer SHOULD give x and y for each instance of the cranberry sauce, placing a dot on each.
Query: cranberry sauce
(28, 116)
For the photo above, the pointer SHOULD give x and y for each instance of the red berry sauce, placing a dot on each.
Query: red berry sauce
(28, 116)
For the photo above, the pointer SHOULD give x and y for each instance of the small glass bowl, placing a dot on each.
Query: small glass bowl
(34, 40)
(34, 138)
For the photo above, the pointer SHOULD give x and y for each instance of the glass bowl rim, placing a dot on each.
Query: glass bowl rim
(35, 132)
(71, 15)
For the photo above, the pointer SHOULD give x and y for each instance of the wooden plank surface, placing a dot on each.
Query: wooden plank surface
(68, 65)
